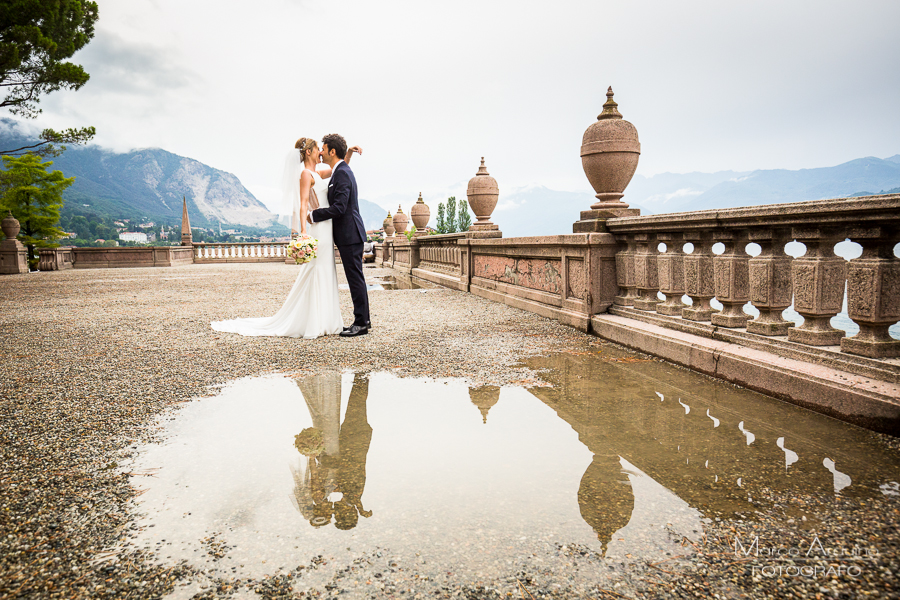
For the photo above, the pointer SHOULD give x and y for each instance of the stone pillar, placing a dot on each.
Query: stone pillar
(645, 276)
(770, 282)
(609, 156)
(873, 295)
(732, 279)
(818, 282)
(186, 238)
(625, 272)
(482, 194)
(699, 279)
(13, 255)
(670, 269)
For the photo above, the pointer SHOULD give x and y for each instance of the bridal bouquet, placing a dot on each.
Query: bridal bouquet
(303, 249)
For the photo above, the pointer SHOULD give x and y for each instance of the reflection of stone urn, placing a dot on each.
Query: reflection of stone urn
(401, 221)
(484, 398)
(388, 225)
(609, 155)
(482, 194)
(11, 226)
(420, 214)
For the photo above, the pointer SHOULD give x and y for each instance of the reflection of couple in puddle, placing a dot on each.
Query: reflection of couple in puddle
(330, 480)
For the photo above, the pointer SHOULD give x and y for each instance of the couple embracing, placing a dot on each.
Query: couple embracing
(320, 188)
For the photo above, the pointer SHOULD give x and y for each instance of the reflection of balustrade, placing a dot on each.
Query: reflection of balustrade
(816, 280)
(239, 252)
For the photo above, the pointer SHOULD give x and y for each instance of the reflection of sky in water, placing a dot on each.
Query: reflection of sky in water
(621, 458)
(438, 480)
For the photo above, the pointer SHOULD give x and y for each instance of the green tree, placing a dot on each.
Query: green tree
(35, 199)
(36, 38)
(465, 219)
(451, 215)
(441, 224)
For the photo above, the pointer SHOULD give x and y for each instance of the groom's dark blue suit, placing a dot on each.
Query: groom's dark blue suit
(349, 235)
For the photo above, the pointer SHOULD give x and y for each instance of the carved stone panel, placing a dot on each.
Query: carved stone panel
(532, 273)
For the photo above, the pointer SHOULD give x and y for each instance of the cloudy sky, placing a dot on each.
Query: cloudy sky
(427, 88)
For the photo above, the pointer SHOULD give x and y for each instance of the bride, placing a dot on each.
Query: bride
(311, 308)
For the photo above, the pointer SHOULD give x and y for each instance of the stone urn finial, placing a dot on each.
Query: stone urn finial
(388, 225)
(420, 214)
(10, 226)
(401, 221)
(482, 194)
(609, 155)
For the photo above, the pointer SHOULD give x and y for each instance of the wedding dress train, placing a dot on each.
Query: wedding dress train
(312, 308)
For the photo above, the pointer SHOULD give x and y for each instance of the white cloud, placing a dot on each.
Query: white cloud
(429, 88)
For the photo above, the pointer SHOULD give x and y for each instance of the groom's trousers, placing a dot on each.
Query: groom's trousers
(351, 257)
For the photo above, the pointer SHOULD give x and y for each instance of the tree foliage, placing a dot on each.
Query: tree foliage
(464, 221)
(441, 224)
(36, 38)
(451, 215)
(34, 197)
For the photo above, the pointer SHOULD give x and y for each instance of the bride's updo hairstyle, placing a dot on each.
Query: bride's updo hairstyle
(304, 145)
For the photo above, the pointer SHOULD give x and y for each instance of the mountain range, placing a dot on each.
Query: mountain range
(150, 183)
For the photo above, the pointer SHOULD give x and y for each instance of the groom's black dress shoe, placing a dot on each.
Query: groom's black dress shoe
(354, 330)
(368, 326)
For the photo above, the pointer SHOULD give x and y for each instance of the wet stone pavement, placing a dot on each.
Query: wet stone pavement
(464, 449)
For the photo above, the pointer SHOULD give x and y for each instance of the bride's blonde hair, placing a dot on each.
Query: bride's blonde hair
(304, 145)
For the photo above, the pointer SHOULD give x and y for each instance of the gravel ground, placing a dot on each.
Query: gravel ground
(91, 357)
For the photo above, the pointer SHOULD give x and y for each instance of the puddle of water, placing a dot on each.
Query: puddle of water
(389, 282)
(619, 456)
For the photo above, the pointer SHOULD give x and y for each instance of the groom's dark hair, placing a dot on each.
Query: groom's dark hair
(336, 143)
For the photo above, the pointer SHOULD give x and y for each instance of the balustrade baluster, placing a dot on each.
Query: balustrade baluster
(732, 279)
(625, 271)
(670, 269)
(818, 283)
(646, 278)
(770, 282)
(699, 279)
(873, 294)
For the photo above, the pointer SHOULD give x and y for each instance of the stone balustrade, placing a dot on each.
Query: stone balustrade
(769, 281)
(56, 259)
(239, 252)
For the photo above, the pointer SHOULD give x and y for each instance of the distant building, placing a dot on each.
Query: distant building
(147, 225)
(133, 236)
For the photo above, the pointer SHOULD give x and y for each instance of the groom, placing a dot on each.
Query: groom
(348, 229)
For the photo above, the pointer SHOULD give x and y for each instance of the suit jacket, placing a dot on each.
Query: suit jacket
(343, 208)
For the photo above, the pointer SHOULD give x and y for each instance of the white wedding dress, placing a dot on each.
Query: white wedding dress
(311, 308)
